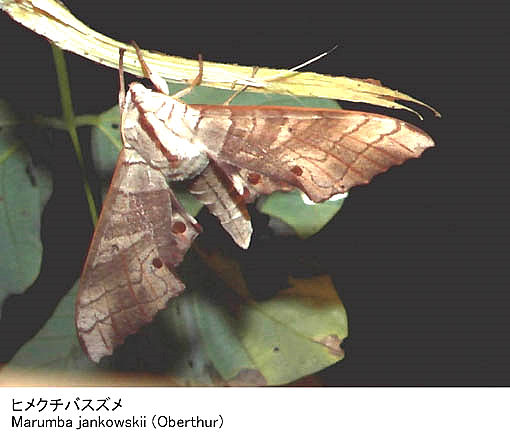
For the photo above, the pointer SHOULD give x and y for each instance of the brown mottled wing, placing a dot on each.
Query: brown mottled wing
(322, 152)
(129, 272)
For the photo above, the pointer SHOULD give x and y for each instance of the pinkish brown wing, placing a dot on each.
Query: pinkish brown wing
(141, 236)
(322, 152)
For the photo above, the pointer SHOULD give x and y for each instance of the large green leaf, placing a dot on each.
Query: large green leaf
(24, 191)
(56, 346)
(214, 334)
(295, 333)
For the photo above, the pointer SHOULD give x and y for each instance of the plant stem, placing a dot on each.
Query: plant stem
(70, 123)
(57, 123)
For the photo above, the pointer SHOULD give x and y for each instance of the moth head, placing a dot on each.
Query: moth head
(148, 100)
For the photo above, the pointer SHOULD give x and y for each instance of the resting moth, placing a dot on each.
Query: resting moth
(230, 155)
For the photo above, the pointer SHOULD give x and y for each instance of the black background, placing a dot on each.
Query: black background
(417, 256)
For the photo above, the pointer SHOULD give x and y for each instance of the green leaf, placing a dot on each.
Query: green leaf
(304, 218)
(214, 96)
(105, 141)
(24, 191)
(56, 346)
(214, 334)
(273, 342)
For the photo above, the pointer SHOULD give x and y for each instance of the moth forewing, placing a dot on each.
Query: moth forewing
(322, 152)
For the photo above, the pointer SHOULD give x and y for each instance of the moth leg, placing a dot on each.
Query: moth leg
(197, 81)
(179, 210)
(122, 86)
(241, 90)
(158, 82)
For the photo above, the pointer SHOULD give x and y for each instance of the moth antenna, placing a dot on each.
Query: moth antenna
(250, 82)
(304, 64)
(280, 75)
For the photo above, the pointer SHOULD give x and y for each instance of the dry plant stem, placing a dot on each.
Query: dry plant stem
(53, 21)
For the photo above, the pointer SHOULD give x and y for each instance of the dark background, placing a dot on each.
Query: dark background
(417, 256)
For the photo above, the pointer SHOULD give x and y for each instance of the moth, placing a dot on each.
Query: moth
(229, 155)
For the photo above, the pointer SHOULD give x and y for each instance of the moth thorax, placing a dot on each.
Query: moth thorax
(186, 168)
(160, 129)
